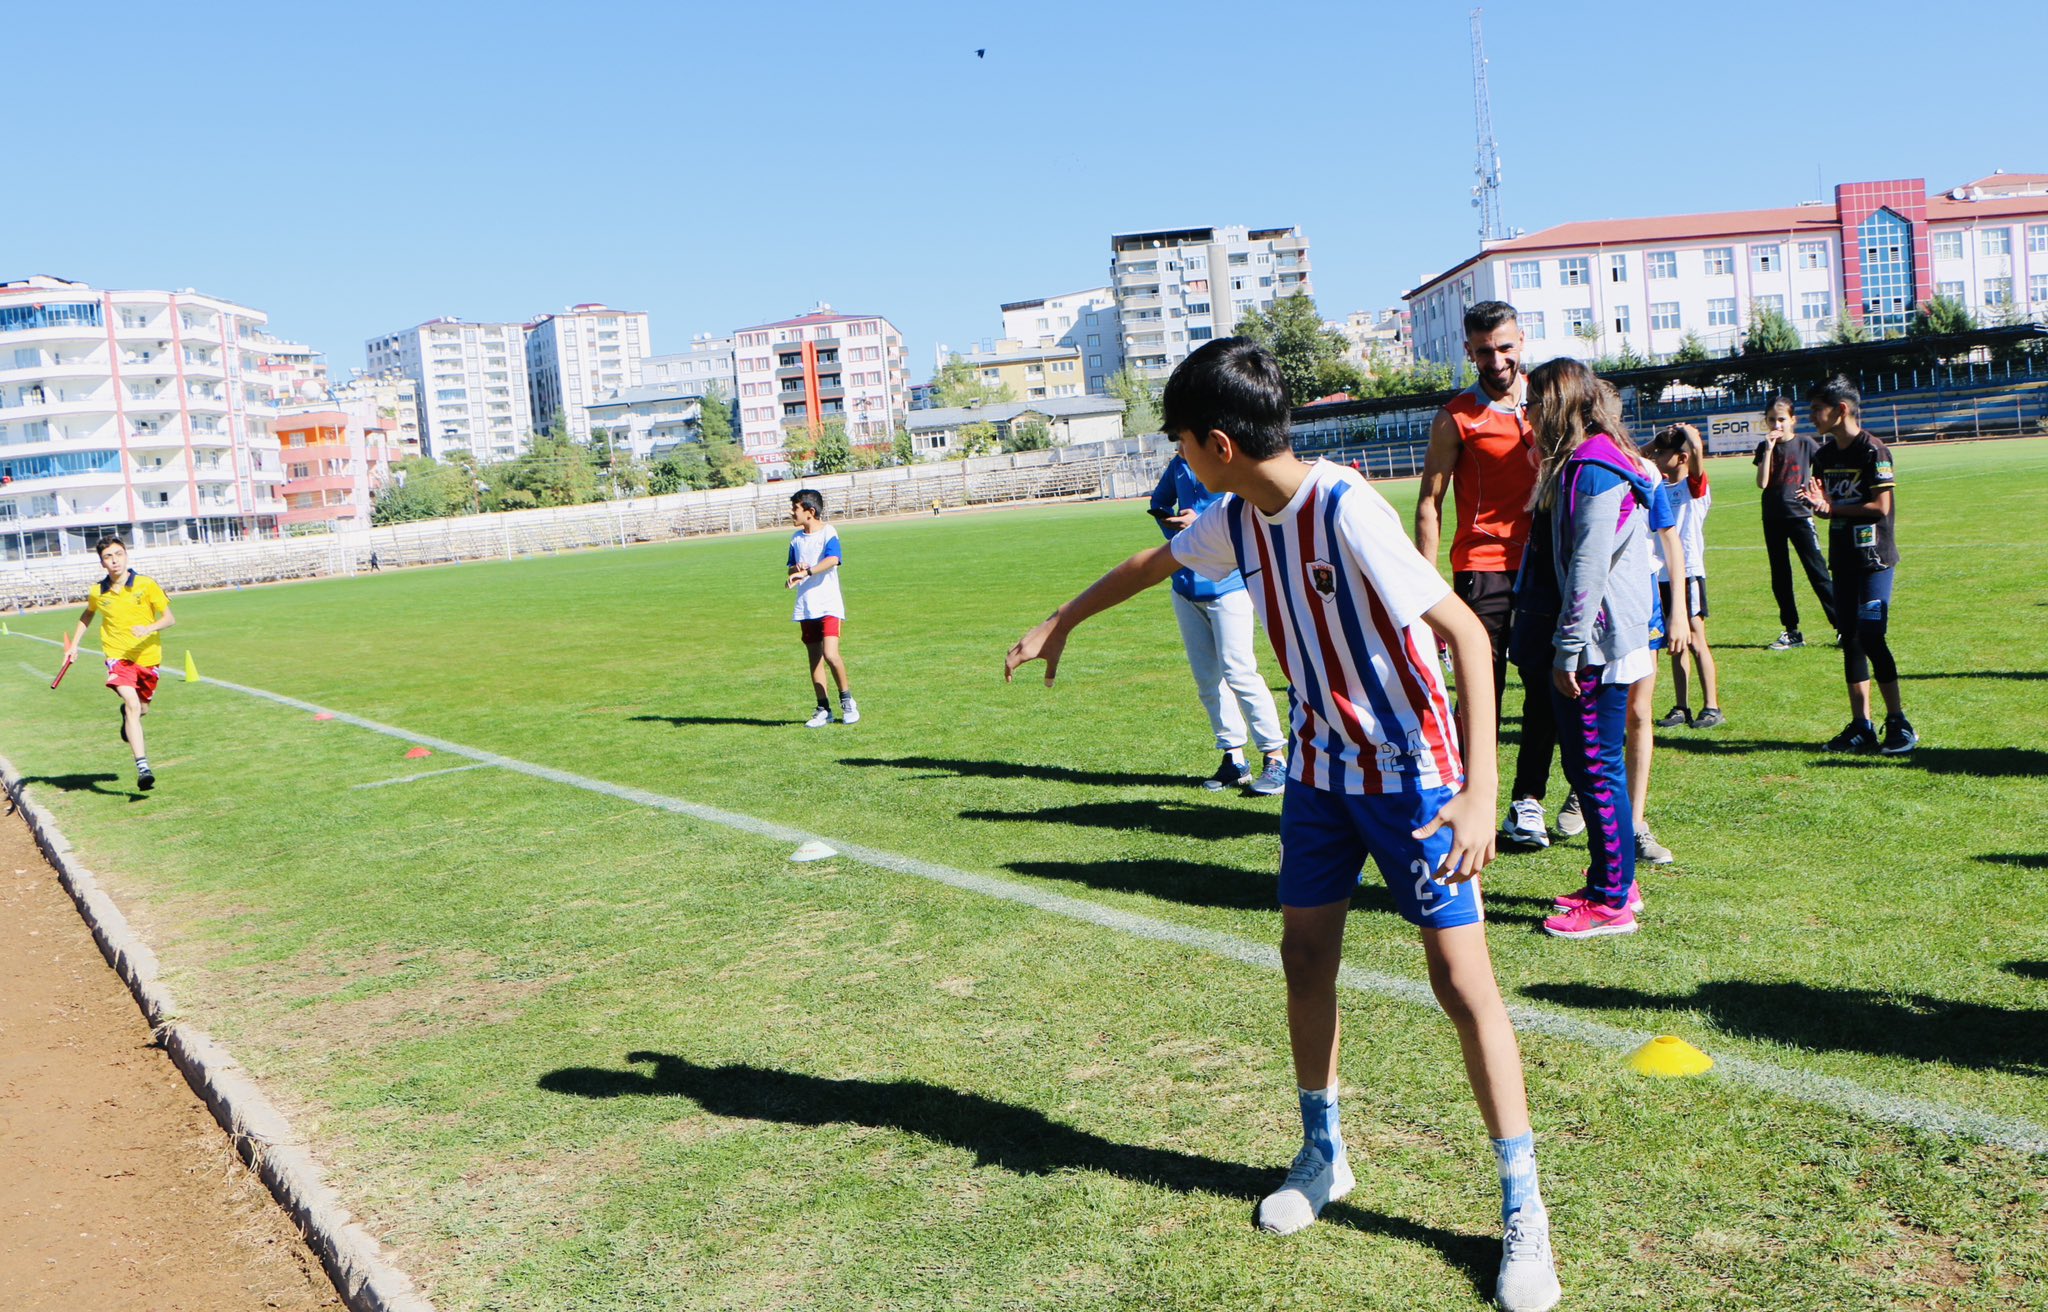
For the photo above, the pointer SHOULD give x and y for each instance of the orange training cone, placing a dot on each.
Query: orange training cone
(416, 753)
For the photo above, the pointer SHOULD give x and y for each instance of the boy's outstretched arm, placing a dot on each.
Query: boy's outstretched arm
(1126, 581)
(1470, 813)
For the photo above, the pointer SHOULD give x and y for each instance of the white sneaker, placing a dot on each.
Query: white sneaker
(1528, 1277)
(1525, 827)
(1650, 850)
(819, 719)
(1311, 1185)
(1571, 821)
(849, 711)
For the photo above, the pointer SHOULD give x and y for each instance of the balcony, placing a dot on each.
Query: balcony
(171, 471)
(1135, 303)
(1295, 245)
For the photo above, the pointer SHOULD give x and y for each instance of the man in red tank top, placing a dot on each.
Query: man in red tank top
(1482, 451)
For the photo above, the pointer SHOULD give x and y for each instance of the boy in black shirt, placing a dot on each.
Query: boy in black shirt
(1851, 487)
(1784, 461)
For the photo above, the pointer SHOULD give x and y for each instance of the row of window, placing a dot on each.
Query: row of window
(1997, 291)
(22, 318)
(1722, 312)
(1990, 241)
(1577, 270)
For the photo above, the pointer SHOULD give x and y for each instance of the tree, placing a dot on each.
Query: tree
(553, 471)
(420, 487)
(1031, 435)
(1339, 375)
(1141, 403)
(956, 383)
(830, 454)
(1848, 331)
(1691, 350)
(1770, 333)
(904, 447)
(1942, 316)
(977, 439)
(728, 465)
(799, 447)
(1628, 358)
(1293, 331)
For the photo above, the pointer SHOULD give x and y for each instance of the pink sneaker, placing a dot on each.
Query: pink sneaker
(1591, 920)
(1573, 901)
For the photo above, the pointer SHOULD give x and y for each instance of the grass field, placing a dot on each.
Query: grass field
(565, 1050)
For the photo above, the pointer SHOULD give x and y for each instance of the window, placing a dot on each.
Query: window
(1621, 318)
(1200, 334)
(1532, 324)
(1767, 304)
(1238, 261)
(1720, 259)
(1523, 274)
(2037, 237)
(1949, 291)
(1886, 239)
(1662, 264)
(1721, 312)
(1094, 362)
(1813, 255)
(2037, 288)
(1997, 291)
(1948, 245)
(1766, 258)
(1994, 241)
(1664, 314)
(1574, 272)
(1617, 268)
(1198, 307)
(1578, 322)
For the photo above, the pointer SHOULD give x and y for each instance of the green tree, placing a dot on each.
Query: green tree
(1942, 316)
(1141, 403)
(976, 439)
(420, 487)
(1031, 435)
(956, 383)
(799, 447)
(830, 454)
(1629, 358)
(904, 447)
(553, 471)
(728, 465)
(1293, 331)
(1691, 350)
(1848, 331)
(1770, 333)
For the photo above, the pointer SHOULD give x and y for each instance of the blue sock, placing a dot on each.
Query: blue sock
(1517, 1159)
(1319, 1122)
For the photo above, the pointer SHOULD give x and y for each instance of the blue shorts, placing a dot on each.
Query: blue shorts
(1325, 839)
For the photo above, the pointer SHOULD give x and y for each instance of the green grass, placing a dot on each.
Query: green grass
(562, 1051)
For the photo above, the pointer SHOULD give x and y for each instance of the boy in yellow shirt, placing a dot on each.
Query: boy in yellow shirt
(133, 610)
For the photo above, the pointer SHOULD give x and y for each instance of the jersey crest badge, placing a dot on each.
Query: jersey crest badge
(1323, 575)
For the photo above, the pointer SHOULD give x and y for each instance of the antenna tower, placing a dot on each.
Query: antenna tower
(1486, 168)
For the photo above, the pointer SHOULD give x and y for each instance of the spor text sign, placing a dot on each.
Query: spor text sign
(1729, 435)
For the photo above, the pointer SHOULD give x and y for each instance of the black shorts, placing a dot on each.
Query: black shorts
(1695, 597)
(1491, 595)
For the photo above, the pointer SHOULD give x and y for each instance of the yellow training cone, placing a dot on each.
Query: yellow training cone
(3, 629)
(191, 670)
(1669, 1057)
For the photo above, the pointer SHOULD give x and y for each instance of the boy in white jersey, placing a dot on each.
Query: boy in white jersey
(1354, 614)
(814, 558)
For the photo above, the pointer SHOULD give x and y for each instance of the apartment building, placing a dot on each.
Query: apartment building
(1874, 254)
(336, 456)
(816, 368)
(575, 357)
(1376, 335)
(1085, 321)
(471, 382)
(142, 413)
(1179, 287)
(1030, 374)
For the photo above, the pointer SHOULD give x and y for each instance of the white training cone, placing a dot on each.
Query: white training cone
(813, 851)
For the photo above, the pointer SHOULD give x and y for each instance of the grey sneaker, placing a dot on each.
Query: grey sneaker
(1710, 718)
(1528, 1276)
(1787, 640)
(1230, 774)
(1650, 850)
(1272, 780)
(1311, 1185)
(1571, 821)
(819, 718)
(849, 711)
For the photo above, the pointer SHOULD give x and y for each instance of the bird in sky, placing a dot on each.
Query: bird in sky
(981, 52)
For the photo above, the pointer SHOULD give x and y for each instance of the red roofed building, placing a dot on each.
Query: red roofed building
(816, 369)
(1875, 254)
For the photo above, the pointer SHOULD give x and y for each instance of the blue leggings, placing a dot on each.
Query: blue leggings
(1864, 610)
(1591, 735)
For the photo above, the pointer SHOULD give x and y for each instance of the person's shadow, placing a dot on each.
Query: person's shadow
(79, 783)
(999, 1134)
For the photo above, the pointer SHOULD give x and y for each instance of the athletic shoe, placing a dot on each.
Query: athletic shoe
(1272, 780)
(1311, 1185)
(1711, 718)
(1528, 1276)
(1230, 774)
(1584, 897)
(1571, 821)
(819, 718)
(145, 780)
(1650, 850)
(1856, 736)
(1591, 921)
(849, 711)
(1899, 737)
(1676, 718)
(1787, 640)
(1524, 826)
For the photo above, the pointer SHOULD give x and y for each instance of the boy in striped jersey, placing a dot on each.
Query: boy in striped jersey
(1353, 612)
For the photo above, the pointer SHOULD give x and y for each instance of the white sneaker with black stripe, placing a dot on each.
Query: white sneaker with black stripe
(1524, 826)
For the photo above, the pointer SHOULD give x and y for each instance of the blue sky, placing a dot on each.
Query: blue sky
(354, 169)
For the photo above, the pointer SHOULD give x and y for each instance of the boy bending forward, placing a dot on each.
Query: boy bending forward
(1353, 612)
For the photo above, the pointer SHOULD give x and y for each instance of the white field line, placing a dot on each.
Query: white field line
(1804, 1086)
(410, 778)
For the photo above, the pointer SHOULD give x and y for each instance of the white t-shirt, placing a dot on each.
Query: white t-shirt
(818, 595)
(1691, 499)
(1341, 592)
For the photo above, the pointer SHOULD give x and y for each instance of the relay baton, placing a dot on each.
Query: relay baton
(64, 670)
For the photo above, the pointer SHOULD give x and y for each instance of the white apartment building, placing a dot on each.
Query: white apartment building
(471, 379)
(816, 368)
(709, 361)
(575, 357)
(1376, 335)
(1875, 253)
(142, 413)
(1085, 321)
(297, 372)
(1179, 287)
(653, 418)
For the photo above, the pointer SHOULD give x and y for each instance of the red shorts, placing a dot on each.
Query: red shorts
(127, 674)
(819, 629)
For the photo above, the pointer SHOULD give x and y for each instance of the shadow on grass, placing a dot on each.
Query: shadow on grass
(2024, 860)
(1195, 883)
(1982, 762)
(1175, 819)
(1910, 1025)
(685, 721)
(1017, 770)
(1018, 1139)
(80, 783)
(2027, 969)
(2021, 676)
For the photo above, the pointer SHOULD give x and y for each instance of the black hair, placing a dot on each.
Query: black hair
(110, 540)
(810, 499)
(1839, 391)
(1233, 385)
(1486, 316)
(1670, 440)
